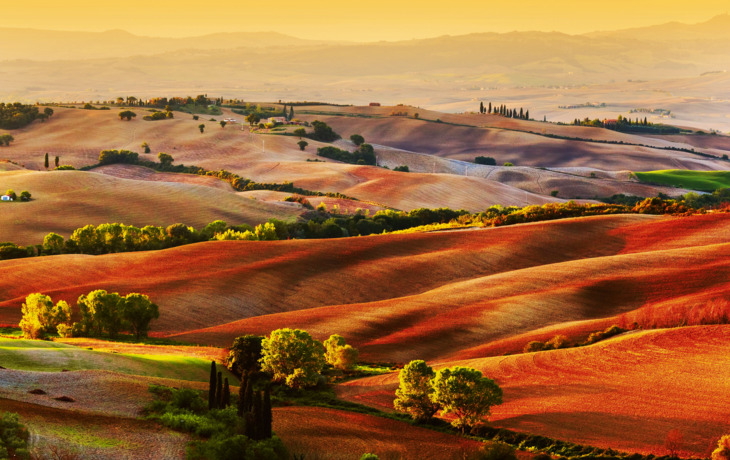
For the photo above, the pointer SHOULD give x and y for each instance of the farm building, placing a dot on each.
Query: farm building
(6, 198)
(275, 120)
(375, 104)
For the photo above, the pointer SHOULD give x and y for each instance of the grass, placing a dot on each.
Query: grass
(36, 355)
(82, 436)
(705, 181)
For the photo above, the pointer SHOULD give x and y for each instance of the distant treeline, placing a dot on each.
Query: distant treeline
(504, 111)
(17, 115)
(239, 183)
(364, 155)
(111, 238)
(627, 125)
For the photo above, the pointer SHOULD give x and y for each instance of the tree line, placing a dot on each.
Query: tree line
(627, 125)
(17, 115)
(98, 312)
(504, 111)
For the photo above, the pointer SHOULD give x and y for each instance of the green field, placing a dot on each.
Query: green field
(38, 355)
(705, 181)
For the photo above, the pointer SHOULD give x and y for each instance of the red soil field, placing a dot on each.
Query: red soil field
(626, 393)
(329, 433)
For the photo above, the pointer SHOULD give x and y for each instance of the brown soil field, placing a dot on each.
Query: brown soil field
(626, 393)
(66, 200)
(323, 433)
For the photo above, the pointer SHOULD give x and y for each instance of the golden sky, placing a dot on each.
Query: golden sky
(368, 20)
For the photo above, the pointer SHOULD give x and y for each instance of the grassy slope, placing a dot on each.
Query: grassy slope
(66, 200)
(631, 390)
(705, 181)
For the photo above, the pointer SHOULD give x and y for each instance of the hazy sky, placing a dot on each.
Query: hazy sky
(368, 20)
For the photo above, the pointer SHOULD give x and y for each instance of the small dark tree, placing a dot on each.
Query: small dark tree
(245, 354)
(267, 415)
(56, 161)
(48, 111)
(248, 396)
(481, 107)
(301, 132)
(219, 391)
(226, 401)
(211, 386)
(302, 144)
(201, 127)
(490, 107)
(357, 139)
(242, 394)
(291, 112)
(223, 123)
(45, 163)
(127, 115)
(527, 114)
(165, 159)
(258, 416)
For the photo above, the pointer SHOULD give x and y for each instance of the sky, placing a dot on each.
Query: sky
(369, 20)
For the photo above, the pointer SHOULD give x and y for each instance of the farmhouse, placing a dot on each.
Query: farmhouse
(275, 120)
(6, 198)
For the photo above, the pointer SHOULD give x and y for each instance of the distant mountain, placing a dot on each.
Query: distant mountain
(45, 45)
(717, 28)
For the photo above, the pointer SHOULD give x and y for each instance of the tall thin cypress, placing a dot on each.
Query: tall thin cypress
(490, 107)
(226, 394)
(291, 112)
(258, 416)
(219, 391)
(46, 161)
(57, 161)
(481, 107)
(242, 393)
(211, 386)
(267, 416)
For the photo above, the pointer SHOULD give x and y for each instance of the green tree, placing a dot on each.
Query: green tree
(25, 195)
(13, 437)
(211, 386)
(6, 139)
(53, 243)
(293, 357)
(302, 144)
(45, 162)
(48, 111)
(223, 123)
(201, 127)
(301, 132)
(252, 119)
(138, 311)
(414, 392)
(323, 132)
(56, 161)
(338, 354)
(245, 354)
(165, 159)
(357, 139)
(146, 147)
(101, 311)
(36, 309)
(127, 115)
(11, 194)
(466, 394)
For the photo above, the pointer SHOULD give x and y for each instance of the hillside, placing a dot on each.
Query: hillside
(631, 390)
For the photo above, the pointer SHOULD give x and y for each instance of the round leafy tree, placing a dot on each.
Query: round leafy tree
(293, 357)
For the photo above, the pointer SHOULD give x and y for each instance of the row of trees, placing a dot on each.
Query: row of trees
(625, 124)
(99, 312)
(46, 164)
(504, 111)
(17, 115)
(459, 391)
(364, 155)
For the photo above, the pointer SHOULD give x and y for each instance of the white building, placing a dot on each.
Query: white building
(6, 198)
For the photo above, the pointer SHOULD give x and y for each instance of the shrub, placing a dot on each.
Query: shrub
(357, 139)
(369, 456)
(65, 168)
(485, 161)
(339, 354)
(559, 341)
(403, 168)
(554, 193)
(497, 451)
(322, 132)
(13, 437)
(533, 346)
(508, 164)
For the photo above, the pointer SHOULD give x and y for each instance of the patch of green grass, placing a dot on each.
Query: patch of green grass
(85, 437)
(10, 332)
(705, 181)
(45, 356)
(201, 109)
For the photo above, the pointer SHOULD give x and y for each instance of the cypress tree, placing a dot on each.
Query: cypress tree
(57, 161)
(268, 419)
(46, 161)
(248, 397)
(490, 107)
(242, 393)
(481, 107)
(226, 394)
(249, 425)
(258, 417)
(527, 114)
(291, 112)
(211, 386)
(219, 391)
(522, 114)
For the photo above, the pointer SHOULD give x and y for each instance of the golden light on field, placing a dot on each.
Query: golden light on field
(359, 21)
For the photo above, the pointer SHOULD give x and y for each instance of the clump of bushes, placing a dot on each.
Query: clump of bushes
(299, 199)
(364, 155)
(489, 161)
(13, 437)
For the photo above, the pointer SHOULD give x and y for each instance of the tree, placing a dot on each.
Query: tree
(674, 442)
(48, 112)
(245, 354)
(101, 311)
(146, 147)
(165, 159)
(226, 399)
(723, 449)
(45, 162)
(413, 395)
(25, 195)
(6, 139)
(223, 123)
(302, 144)
(300, 132)
(201, 127)
(127, 114)
(481, 107)
(53, 243)
(211, 386)
(485, 161)
(490, 108)
(267, 419)
(252, 119)
(56, 161)
(465, 393)
(35, 310)
(11, 194)
(138, 310)
(219, 391)
(339, 354)
(357, 139)
(292, 356)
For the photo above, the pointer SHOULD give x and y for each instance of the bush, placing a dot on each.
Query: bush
(369, 456)
(357, 139)
(533, 346)
(13, 437)
(322, 132)
(559, 341)
(723, 449)
(485, 161)
(497, 451)
(508, 164)
(238, 447)
(403, 168)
